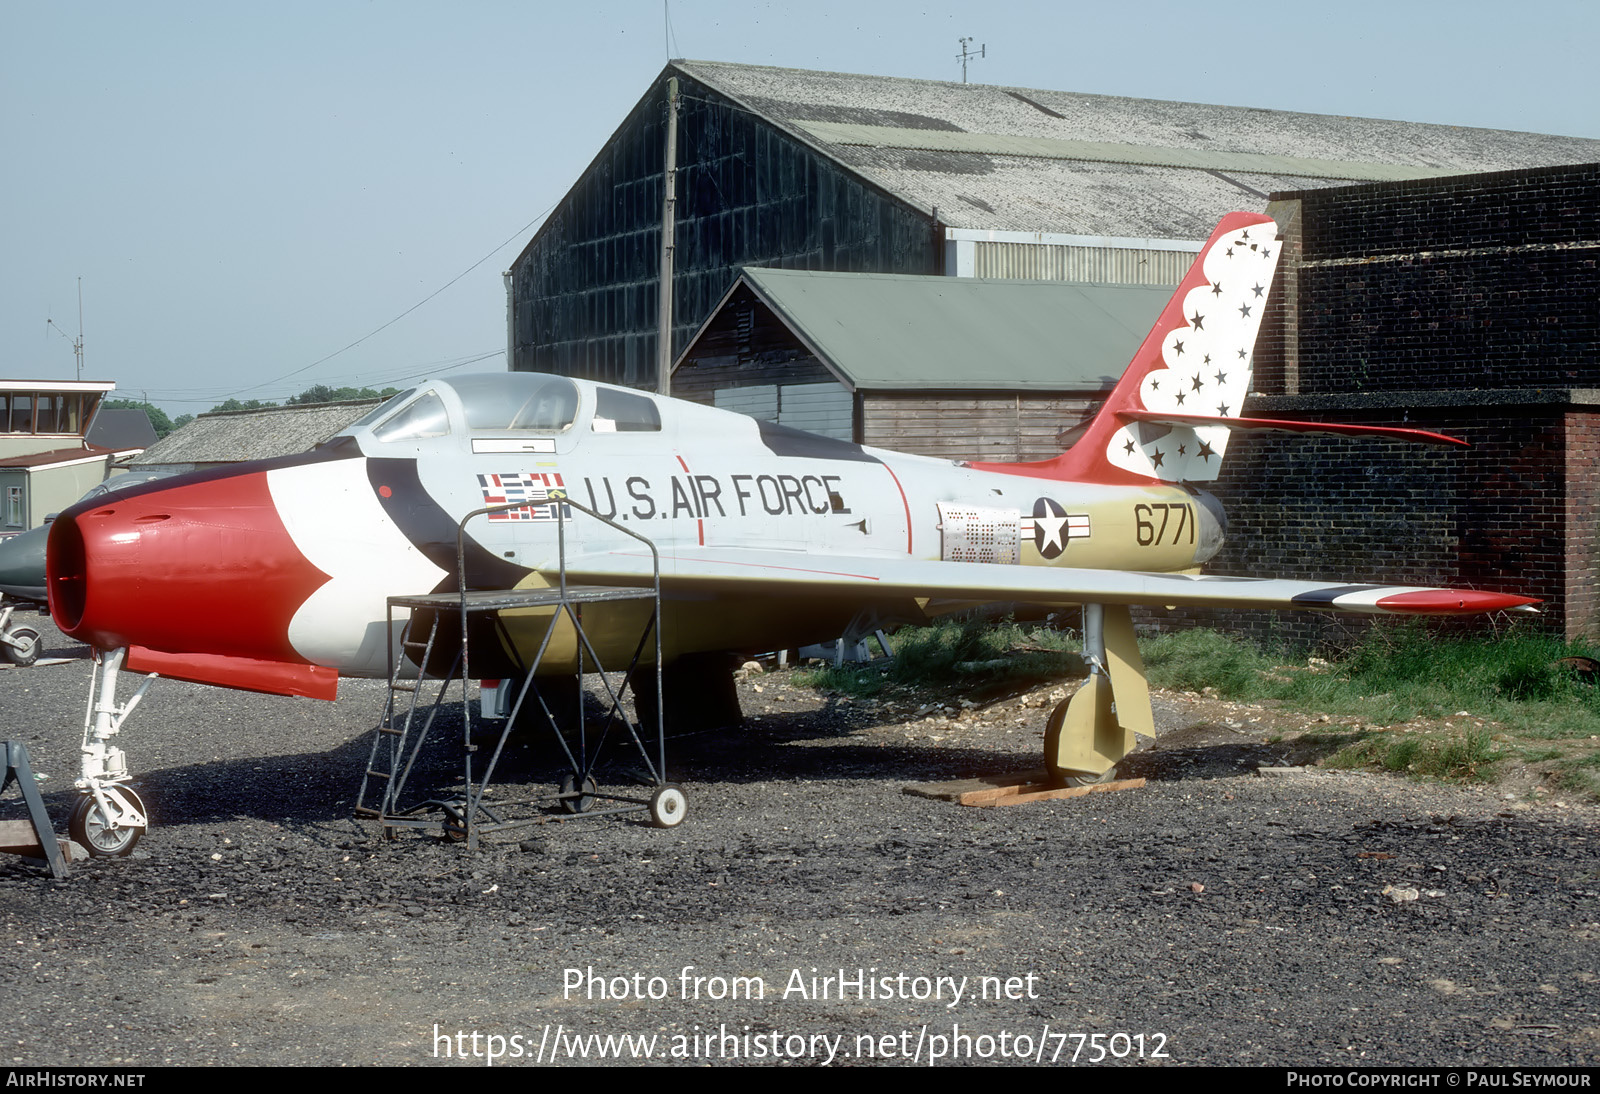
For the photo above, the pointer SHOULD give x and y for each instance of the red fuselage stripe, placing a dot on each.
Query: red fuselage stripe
(903, 502)
(700, 524)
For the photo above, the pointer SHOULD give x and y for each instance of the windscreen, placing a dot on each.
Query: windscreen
(517, 401)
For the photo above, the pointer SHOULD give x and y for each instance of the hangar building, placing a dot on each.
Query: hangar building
(1435, 275)
(834, 172)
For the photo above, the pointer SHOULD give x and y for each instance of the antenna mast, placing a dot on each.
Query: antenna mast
(77, 343)
(966, 54)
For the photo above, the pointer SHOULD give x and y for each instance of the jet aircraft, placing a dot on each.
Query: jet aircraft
(274, 576)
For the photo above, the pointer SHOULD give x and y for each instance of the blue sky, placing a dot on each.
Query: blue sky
(245, 190)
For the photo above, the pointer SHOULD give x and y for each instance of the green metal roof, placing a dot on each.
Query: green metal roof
(888, 332)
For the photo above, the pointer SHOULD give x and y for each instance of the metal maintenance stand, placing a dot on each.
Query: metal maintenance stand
(407, 723)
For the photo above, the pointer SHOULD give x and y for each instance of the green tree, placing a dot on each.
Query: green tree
(317, 393)
(235, 404)
(322, 393)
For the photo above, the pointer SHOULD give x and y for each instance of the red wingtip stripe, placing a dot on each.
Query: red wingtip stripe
(1454, 602)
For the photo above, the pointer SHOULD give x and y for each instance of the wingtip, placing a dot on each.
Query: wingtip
(1456, 602)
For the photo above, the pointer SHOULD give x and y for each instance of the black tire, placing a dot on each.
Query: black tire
(87, 826)
(29, 653)
(577, 803)
(455, 827)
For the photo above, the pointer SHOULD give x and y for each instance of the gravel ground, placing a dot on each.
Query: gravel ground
(1213, 917)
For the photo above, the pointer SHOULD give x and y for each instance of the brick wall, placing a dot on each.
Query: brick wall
(1499, 515)
(1479, 281)
(1469, 306)
(1582, 538)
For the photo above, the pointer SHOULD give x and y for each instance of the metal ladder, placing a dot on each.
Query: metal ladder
(394, 750)
(412, 706)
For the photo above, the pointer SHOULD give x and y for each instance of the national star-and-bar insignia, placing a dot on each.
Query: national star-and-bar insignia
(1053, 527)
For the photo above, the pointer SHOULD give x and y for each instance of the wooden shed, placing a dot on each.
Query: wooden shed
(955, 367)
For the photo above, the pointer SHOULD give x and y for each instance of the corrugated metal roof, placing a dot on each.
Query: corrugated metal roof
(1054, 148)
(959, 148)
(900, 332)
(242, 435)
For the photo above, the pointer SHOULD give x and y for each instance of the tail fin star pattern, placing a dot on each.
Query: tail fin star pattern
(1205, 360)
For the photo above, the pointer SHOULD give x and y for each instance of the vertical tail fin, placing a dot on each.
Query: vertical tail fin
(1194, 364)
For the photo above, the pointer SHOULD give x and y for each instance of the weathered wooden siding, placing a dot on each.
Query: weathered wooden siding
(972, 427)
(584, 292)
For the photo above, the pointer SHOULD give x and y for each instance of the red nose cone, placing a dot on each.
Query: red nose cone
(198, 567)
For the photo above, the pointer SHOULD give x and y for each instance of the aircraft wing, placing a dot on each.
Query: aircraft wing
(740, 572)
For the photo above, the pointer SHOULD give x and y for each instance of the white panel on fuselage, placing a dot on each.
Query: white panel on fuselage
(337, 522)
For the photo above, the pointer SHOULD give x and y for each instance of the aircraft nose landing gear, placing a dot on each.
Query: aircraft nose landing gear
(109, 819)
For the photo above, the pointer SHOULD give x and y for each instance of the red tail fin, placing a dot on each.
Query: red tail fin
(1196, 360)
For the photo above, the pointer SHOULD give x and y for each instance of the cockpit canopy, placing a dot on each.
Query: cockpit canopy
(496, 402)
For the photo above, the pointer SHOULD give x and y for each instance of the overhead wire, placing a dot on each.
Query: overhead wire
(376, 330)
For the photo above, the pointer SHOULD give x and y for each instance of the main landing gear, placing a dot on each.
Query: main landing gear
(109, 818)
(1090, 732)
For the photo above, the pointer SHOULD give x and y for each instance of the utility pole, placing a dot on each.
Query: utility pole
(965, 54)
(668, 218)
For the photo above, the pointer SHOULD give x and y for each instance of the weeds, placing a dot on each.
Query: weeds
(969, 654)
(1393, 675)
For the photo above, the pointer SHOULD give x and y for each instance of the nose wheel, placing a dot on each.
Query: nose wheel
(92, 829)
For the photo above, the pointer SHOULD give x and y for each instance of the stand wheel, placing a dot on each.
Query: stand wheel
(668, 806)
(88, 827)
(574, 802)
(28, 652)
(454, 824)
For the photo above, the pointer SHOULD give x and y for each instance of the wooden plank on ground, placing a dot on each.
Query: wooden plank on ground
(997, 790)
(17, 837)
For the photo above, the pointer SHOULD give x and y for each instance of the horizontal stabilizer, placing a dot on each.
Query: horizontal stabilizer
(1275, 425)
